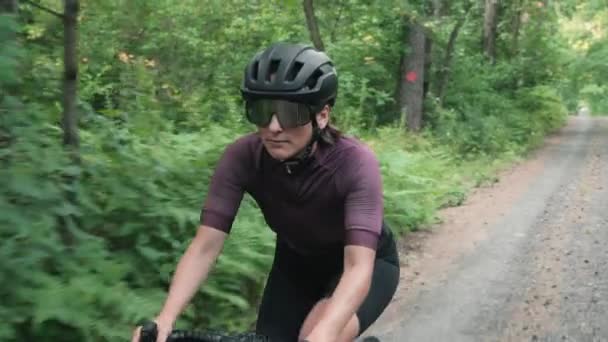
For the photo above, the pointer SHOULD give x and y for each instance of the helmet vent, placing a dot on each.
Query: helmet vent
(314, 78)
(274, 66)
(254, 70)
(293, 72)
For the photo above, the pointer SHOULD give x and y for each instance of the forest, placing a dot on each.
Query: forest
(113, 114)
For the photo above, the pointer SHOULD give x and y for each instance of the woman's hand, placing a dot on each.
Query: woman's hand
(163, 330)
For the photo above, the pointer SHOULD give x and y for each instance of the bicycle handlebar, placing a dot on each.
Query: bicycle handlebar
(149, 332)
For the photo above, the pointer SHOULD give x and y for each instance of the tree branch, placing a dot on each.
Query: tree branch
(311, 22)
(332, 35)
(443, 73)
(48, 10)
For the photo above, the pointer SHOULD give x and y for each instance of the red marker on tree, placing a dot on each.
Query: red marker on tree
(411, 76)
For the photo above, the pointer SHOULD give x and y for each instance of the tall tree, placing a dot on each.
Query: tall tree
(70, 75)
(411, 87)
(70, 114)
(490, 21)
(8, 6)
(70, 72)
(438, 7)
(311, 22)
(434, 9)
(443, 72)
(516, 26)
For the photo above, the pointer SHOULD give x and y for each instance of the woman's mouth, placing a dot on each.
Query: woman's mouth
(276, 142)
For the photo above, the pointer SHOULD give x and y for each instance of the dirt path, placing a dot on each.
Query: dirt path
(523, 260)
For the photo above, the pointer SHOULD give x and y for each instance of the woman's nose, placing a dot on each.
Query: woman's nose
(274, 125)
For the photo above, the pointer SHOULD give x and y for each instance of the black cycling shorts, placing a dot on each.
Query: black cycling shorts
(296, 283)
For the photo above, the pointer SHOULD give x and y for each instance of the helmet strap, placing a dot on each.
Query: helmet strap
(298, 162)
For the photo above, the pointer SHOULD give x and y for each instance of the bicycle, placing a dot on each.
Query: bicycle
(149, 332)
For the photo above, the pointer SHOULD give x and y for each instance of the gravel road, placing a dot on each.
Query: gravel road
(524, 260)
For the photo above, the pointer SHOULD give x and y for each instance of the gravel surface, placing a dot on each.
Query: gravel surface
(524, 260)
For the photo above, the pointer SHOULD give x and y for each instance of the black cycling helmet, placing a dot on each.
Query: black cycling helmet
(301, 74)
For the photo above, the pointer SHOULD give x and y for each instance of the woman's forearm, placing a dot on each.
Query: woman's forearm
(192, 269)
(346, 299)
(350, 292)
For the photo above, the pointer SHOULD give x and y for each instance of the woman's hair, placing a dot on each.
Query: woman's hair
(329, 135)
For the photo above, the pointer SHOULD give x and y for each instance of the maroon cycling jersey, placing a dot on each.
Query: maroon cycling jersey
(335, 200)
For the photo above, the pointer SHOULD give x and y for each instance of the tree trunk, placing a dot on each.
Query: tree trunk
(490, 20)
(70, 75)
(311, 22)
(428, 63)
(516, 28)
(8, 6)
(70, 114)
(438, 8)
(411, 87)
(435, 10)
(443, 74)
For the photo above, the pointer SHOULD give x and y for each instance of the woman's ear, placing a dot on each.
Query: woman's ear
(323, 117)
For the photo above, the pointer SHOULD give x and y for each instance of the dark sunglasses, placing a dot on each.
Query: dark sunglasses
(290, 114)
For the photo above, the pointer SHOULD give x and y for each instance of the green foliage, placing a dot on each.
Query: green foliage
(588, 64)
(593, 70)
(508, 125)
(137, 207)
(415, 182)
(596, 95)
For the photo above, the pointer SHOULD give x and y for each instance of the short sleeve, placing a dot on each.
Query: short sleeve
(227, 186)
(364, 206)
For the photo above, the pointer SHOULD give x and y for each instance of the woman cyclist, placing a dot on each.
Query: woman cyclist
(335, 266)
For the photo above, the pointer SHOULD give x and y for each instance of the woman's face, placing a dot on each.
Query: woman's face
(284, 143)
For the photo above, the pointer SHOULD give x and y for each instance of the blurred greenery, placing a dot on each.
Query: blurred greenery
(159, 101)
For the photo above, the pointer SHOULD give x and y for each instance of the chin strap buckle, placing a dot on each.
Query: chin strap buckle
(295, 164)
(292, 166)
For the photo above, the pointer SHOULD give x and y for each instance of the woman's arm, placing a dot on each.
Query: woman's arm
(361, 183)
(192, 270)
(351, 291)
